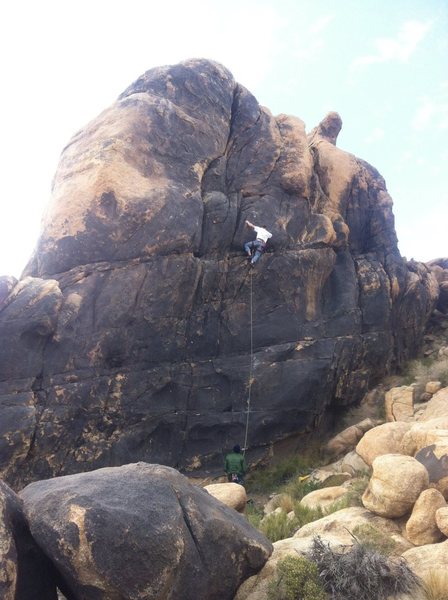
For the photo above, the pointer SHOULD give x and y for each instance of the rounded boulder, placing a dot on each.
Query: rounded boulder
(395, 485)
(384, 439)
(421, 527)
(141, 531)
(231, 494)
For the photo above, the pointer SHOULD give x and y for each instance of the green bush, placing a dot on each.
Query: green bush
(361, 573)
(375, 539)
(305, 515)
(254, 514)
(277, 526)
(297, 487)
(297, 579)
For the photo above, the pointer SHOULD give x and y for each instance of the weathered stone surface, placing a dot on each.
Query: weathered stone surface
(352, 463)
(399, 404)
(25, 573)
(425, 433)
(139, 348)
(439, 268)
(437, 406)
(342, 524)
(432, 387)
(421, 527)
(430, 558)
(346, 440)
(231, 494)
(384, 439)
(441, 517)
(141, 532)
(324, 497)
(395, 485)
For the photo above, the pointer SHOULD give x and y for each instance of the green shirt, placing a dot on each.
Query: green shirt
(235, 463)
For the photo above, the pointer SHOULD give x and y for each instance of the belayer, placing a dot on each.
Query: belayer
(235, 466)
(256, 248)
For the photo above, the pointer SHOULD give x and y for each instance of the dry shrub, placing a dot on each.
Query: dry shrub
(428, 369)
(361, 573)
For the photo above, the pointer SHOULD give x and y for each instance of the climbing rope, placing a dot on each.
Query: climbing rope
(251, 368)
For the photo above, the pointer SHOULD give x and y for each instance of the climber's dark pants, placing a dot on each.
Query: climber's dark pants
(258, 246)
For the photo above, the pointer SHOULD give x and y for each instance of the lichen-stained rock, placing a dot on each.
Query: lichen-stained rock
(25, 573)
(142, 532)
(146, 352)
(395, 485)
(421, 527)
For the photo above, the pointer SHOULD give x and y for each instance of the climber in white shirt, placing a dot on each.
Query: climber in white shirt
(256, 248)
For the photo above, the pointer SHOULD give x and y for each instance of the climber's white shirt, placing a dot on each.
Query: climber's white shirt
(262, 234)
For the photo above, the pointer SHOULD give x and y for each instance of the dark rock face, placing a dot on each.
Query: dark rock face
(439, 267)
(142, 532)
(131, 340)
(25, 573)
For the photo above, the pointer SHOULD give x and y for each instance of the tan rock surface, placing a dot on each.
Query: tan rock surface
(231, 494)
(433, 387)
(384, 439)
(324, 497)
(430, 558)
(437, 406)
(395, 485)
(422, 527)
(425, 433)
(441, 517)
(399, 404)
(341, 525)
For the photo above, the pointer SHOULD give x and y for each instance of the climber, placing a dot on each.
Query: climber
(256, 248)
(235, 466)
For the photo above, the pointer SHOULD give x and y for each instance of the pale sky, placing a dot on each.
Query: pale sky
(382, 64)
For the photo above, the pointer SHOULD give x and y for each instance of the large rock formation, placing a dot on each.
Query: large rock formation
(129, 339)
(141, 532)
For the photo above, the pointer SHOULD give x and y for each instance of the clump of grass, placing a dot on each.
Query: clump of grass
(297, 578)
(254, 514)
(435, 585)
(361, 573)
(375, 539)
(305, 514)
(426, 369)
(278, 526)
(297, 487)
(353, 497)
(276, 475)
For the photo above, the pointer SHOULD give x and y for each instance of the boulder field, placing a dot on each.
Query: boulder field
(129, 336)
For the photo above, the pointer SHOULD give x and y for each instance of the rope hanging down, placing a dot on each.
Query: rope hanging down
(251, 368)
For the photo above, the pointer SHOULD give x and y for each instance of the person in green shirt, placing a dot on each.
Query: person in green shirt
(235, 466)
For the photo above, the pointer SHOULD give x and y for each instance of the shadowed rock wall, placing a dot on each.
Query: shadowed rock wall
(129, 338)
